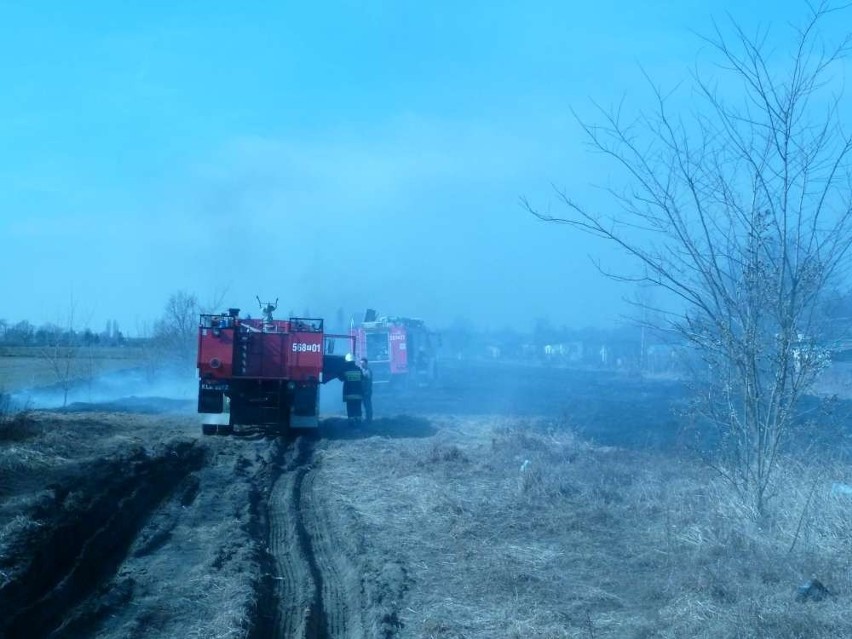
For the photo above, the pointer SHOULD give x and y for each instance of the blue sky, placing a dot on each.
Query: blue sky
(334, 155)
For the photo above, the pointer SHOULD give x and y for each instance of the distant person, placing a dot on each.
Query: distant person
(353, 389)
(367, 388)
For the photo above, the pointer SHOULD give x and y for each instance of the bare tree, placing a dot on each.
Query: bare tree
(150, 350)
(742, 211)
(60, 349)
(176, 331)
(21, 334)
(175, 334)
(216, 300)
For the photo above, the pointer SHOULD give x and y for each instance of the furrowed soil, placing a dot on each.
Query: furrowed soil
(506, 501)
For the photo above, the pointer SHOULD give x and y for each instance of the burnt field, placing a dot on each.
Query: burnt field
(506, 502)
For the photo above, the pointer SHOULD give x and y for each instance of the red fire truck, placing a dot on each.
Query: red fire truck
(401, 350)
(264, 372)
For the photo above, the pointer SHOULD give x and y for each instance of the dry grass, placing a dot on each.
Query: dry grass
(193, 567)
(41, 448)
(521, 529)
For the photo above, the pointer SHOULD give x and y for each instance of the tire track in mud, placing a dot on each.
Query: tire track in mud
(289, 600)
(316, 622)
(340, 587)
(307, 594)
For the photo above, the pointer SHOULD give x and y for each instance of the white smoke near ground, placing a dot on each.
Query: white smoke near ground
(174, 386)
(133, 389)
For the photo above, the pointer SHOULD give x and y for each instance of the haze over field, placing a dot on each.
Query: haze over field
(341, 156)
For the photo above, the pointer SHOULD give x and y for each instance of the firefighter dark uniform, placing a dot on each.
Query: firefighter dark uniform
(353, 390)
(367, 389)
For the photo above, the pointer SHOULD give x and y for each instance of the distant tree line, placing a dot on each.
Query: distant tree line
(175, 333)
(25, 333)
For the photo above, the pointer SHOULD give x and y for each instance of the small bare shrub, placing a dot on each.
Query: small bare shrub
(15, 425)
(442, 453)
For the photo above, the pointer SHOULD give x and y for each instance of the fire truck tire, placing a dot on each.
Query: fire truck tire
(208, 429)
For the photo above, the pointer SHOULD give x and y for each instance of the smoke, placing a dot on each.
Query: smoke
(168, 391)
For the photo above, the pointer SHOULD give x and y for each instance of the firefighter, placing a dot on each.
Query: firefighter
(353, 389)
(367, 388)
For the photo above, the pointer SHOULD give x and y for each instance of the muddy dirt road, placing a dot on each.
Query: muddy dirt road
(154, 532)
(476, 509)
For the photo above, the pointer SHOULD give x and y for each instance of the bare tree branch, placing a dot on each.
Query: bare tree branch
(742, 212)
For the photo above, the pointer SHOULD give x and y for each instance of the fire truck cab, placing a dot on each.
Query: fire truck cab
(400, 350)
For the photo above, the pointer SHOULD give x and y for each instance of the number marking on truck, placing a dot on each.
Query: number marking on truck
(302, 347)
